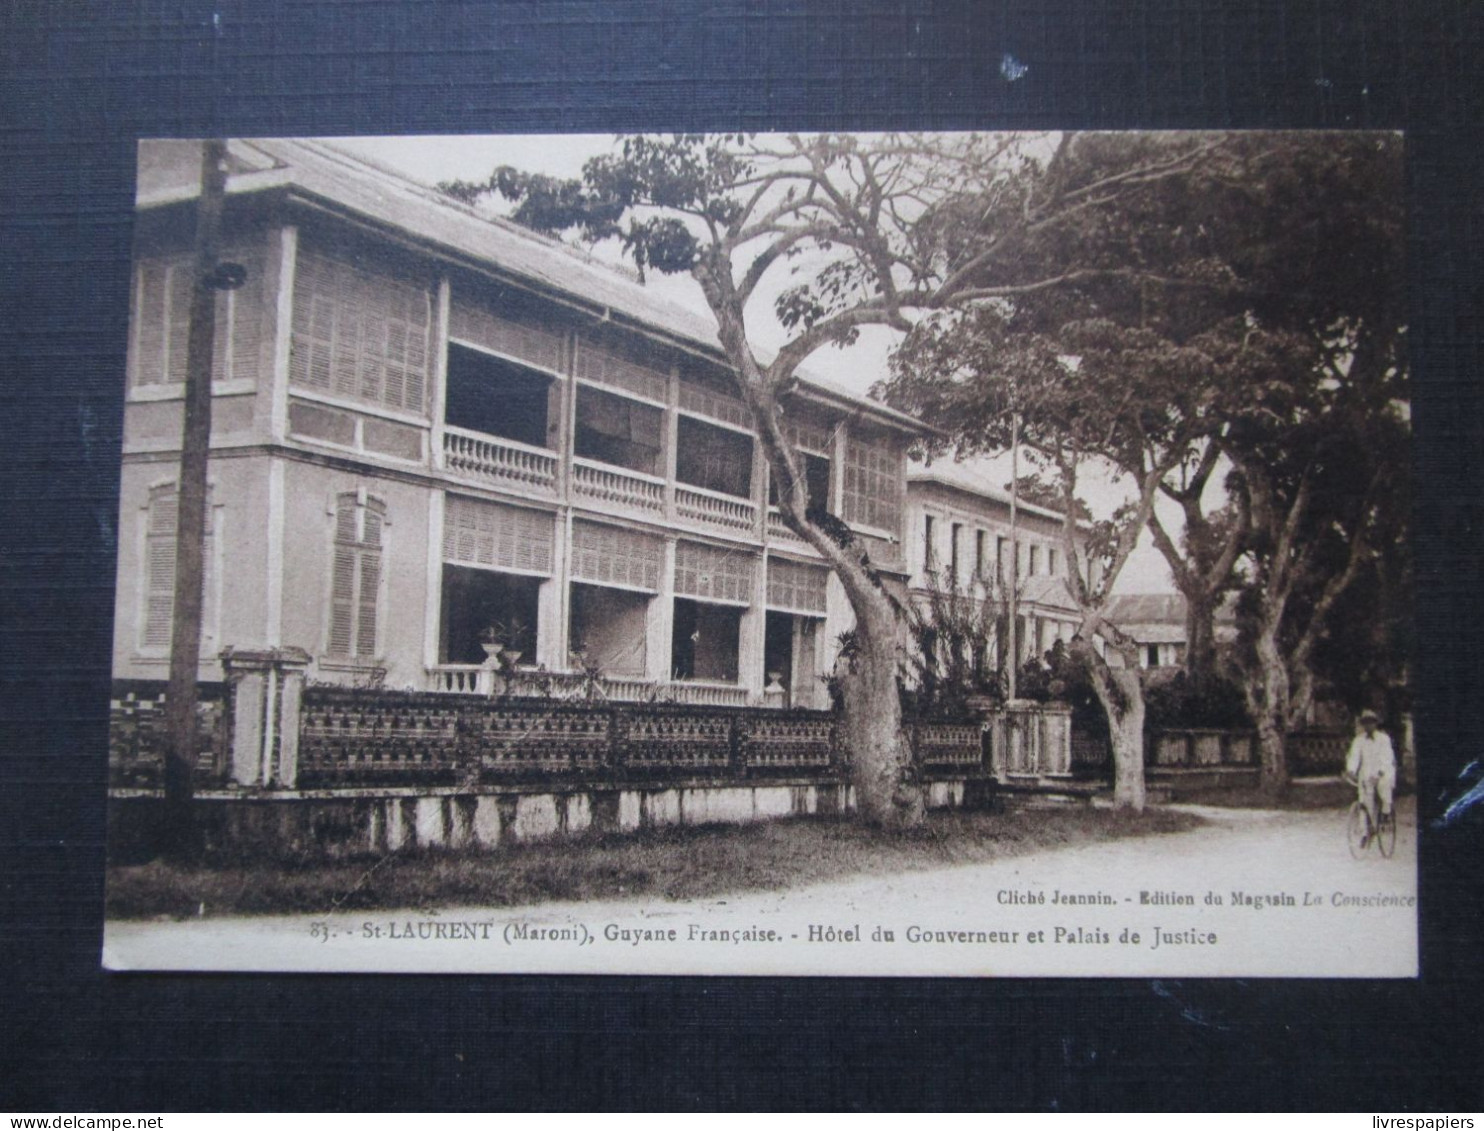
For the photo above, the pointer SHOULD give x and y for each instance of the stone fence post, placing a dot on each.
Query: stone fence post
(1028, 738)
(267, 687)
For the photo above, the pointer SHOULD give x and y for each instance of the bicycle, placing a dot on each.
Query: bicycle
(1361, 832)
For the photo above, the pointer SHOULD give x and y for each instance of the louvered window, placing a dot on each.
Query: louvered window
(873, 485)
(162, 321)
(611, 555)
(713, 574)
(356, 581)
(796, 587)
(473, 324)
(495, 536)
(360, 335)
(607, 368)
(159, 596)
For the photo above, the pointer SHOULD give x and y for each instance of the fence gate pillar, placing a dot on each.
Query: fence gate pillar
(990, 721)
(1056, 749)
(267, 687)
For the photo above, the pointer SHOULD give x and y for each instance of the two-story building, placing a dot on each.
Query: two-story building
(437, 435)
(960, 538)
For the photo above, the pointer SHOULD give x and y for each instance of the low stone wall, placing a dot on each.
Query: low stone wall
(1312, 753)
(1200, 748)
(350, 822)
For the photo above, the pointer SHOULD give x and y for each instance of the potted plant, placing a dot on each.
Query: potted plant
(502, 641)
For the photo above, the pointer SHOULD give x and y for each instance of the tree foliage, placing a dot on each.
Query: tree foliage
(1219, 310)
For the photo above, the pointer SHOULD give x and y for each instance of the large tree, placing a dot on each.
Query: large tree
(1235, 323)
(1065, 397)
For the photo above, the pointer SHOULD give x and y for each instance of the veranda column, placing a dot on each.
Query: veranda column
(659, 620)
(753, 634)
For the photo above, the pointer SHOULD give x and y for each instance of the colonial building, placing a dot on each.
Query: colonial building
(437, 436)
(1156, 622)
(960, 538)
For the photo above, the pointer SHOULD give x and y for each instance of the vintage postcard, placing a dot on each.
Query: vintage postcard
(922, 554)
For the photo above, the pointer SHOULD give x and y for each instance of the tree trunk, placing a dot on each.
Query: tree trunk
(1270, 711)
(1126, 732)
(1122, 698)
(1200, 637)
(887, 792)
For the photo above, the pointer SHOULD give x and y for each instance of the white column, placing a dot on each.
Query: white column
(671, 440)
(433, 581)
(753, 634)
(837, 471)
(273, 537)
(281, 295)
(659, 620)
(551, 607)
(439, 392)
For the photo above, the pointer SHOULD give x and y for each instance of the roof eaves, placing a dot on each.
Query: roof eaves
(625, 300)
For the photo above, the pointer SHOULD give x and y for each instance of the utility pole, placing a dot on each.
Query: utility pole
(182, 743)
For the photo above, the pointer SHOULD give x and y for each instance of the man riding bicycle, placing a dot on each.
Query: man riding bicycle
(1371, 765)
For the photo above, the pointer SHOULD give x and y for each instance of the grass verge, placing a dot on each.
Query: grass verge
(676, 864)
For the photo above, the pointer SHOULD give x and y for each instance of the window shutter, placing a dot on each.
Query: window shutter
(366, 608)
(355, 582)
(149, 329)
(611, 555)
(796, 587)
(360, 335)
(472, 323)
(872, 485)
(496, 536)
(713, 574)
(342, 601)
(159, 598)
(178, 320)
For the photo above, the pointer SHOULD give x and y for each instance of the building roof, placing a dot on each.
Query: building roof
(962, 477)
(1147, 609)
(1050, 592)
(1159, 618)
(324, 172)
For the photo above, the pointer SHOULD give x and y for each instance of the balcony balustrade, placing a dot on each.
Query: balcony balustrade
(506, 463)
(778, 530)
(475, 679)
(712, 508)
(617, 486)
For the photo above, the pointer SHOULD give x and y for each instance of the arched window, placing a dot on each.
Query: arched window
(356, 575)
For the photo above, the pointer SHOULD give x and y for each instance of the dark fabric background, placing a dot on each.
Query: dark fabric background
(79, 82)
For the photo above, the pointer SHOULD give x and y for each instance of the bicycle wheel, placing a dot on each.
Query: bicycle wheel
(1358, 830)
(1386, 835)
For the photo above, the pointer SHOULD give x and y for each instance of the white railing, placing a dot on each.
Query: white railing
(704, 694)
(489, 459)
(615, 485)
(475, 679)
(698, 504)
(778, 530)
(461, 679)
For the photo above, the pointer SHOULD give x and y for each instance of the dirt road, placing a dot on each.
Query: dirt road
(1254, 893)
